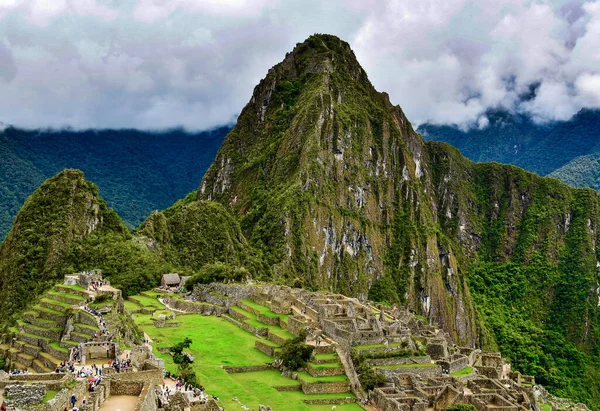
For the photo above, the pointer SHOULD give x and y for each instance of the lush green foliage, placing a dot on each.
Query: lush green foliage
(136, 171)
(369, 378)
(2, 363)
(217, 272)
(177, 352)
(295, 352)
(461, 407)
(60, 212)
(583, 171)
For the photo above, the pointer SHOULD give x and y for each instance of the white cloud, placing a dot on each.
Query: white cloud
(157, 63)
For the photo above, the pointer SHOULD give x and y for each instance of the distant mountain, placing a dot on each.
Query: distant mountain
(137, 171)
(516, 139)
(583, 171)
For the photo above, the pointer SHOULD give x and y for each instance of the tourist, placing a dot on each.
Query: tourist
(3, 406)
(73, 400)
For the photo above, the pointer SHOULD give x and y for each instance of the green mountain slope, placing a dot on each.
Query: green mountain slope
(323, 183)
(516, 139)
(583, 171)
(335, 190)
(137, 171)
(63, 210)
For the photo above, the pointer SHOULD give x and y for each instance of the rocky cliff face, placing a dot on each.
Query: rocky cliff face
(64, 209)
(334, 185)
(335, 188)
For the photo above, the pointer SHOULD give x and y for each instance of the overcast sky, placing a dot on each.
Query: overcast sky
(156, 64)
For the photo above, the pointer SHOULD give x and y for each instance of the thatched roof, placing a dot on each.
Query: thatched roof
(171, 279)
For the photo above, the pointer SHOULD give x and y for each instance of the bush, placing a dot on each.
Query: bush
(295, 353)
(217, 272)
(461, 407)
(177, 352)
(2, 363)
(368, 377)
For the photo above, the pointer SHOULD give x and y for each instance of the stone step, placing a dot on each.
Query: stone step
(61, 288)
(75, 336)
(57, 351)
(85, 329)
(69, 344)
(27, 348)
(34, 339)
(54, 305)
(15, 365)
(70, 299)
(51, 333)
(48, 360)
(25, 359)
(39, 366)
(50, 314)
(43, 322)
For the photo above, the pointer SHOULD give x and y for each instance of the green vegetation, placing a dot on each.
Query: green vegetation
(137, 171)
(295, 353)
(50, 394)
(517, 139)
(461, 407)
(463, 372)
(216, 343)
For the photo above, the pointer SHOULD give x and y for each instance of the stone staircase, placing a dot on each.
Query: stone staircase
(41, 342)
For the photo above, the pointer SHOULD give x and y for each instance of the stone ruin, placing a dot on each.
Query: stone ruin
(413, 383)
(21, 395)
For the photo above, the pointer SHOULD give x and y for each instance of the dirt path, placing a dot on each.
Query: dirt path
(119, 403)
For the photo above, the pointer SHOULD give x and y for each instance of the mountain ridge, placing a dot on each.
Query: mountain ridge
(323, 183)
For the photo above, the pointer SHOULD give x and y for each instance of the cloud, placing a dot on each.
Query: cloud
(157, 64)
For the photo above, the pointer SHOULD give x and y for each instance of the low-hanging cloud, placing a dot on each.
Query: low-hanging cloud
(156, 64)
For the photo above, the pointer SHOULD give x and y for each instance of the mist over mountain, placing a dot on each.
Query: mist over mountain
(514, 138)
(324, 184)
(137, 171)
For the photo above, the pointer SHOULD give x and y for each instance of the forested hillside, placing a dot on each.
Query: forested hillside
(516, 139)
(137, 171)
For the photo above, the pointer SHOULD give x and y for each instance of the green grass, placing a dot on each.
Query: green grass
(147, 302)
(309, 378)
(462, 372)
(131, 306)
(65, 295)
(56, 302)
(264, 310)
(102, 304)
(216, 343)
(56, 346)
(50, 394)
(326, 365)
(73, 287)
(546, 407)
(328, 356)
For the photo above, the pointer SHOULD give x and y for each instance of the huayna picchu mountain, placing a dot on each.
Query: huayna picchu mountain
(63, 210)
(323, 183)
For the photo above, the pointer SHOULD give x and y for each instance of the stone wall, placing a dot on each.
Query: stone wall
(325, 387)
(490, 372)
(324, 372)
(400, 361)
(147, 400)
(21, 395)
(62, 400)
(194, 307)
(266, 348)
(126, 387)
(248, 368)
(422, 371)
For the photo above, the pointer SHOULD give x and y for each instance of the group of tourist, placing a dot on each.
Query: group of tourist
(19, 371)
(118, 366)
(95, 284)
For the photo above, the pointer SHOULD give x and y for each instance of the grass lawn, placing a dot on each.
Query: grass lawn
(546, 407)
(264, 310)
(50, 394)
(131, 306)
(217, 342)
(462, 372)
(147, 302)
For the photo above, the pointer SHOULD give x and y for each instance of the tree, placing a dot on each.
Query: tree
(461, 407)
(295, 353)
(177, 352)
